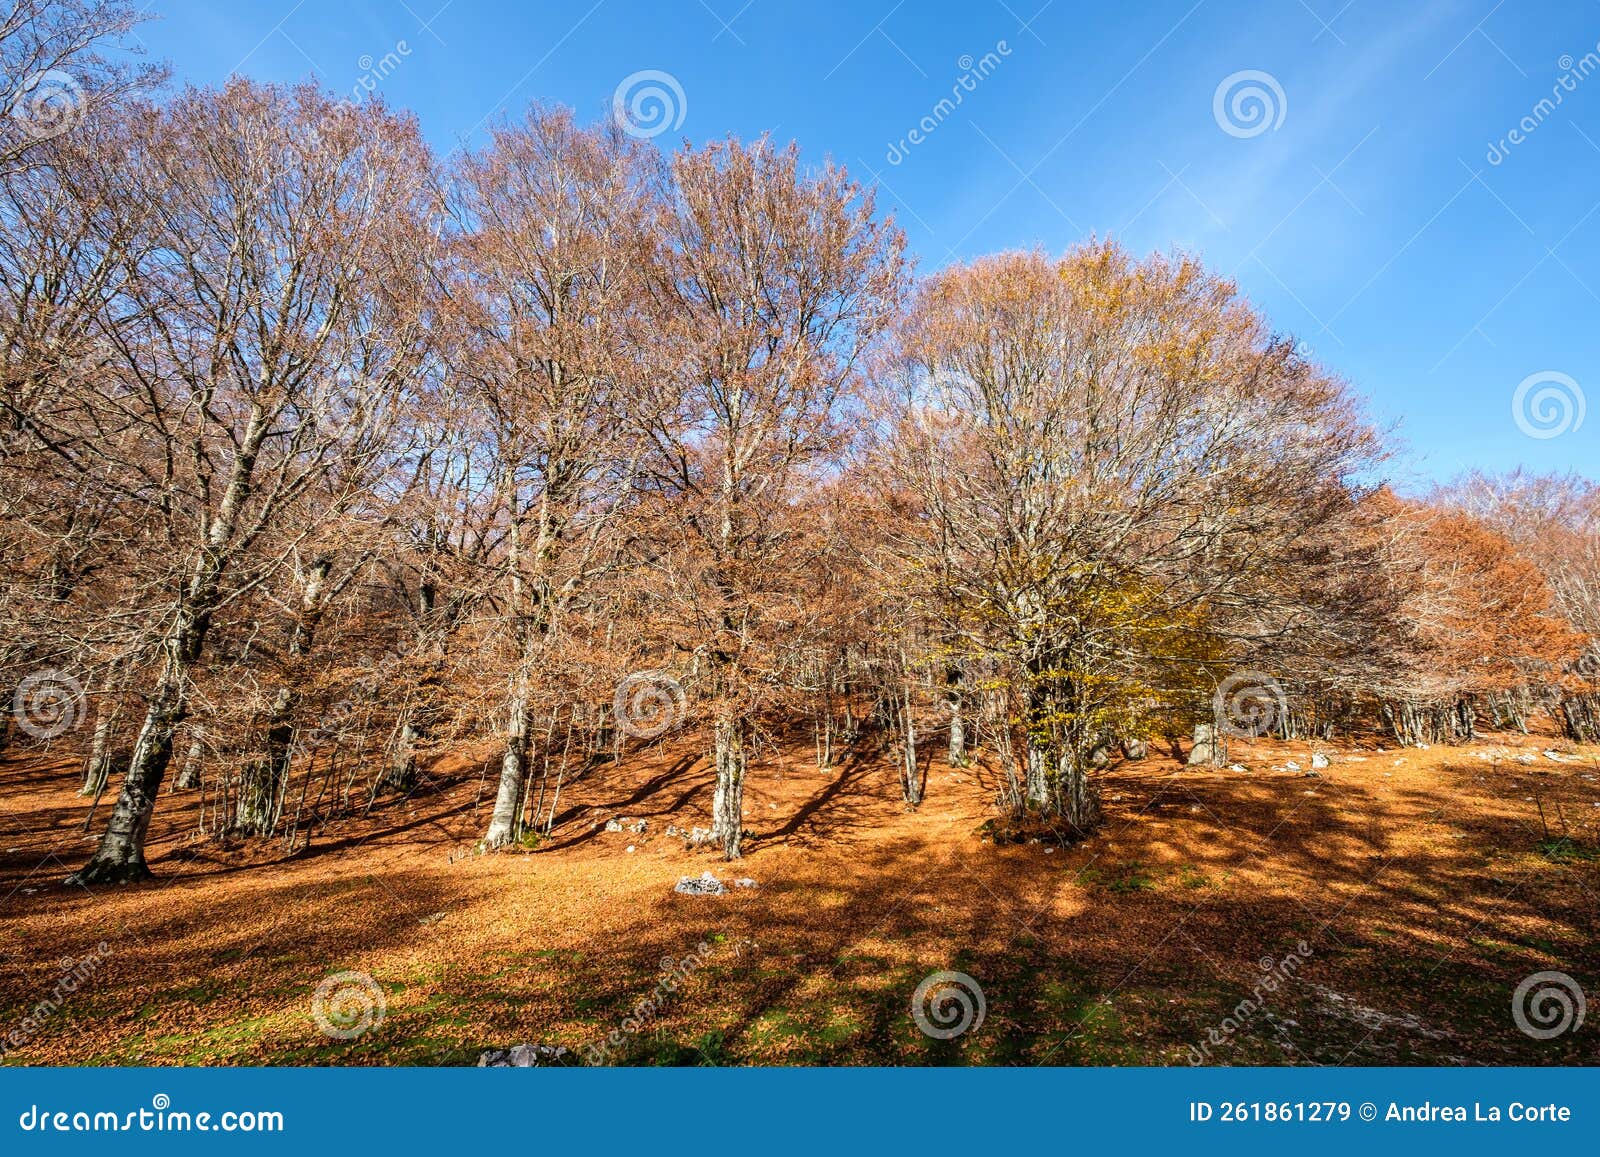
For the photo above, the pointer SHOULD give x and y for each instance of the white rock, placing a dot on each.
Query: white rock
(521, 1057)
(703, 885)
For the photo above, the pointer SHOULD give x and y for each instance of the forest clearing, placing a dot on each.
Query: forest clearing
(1423, 883)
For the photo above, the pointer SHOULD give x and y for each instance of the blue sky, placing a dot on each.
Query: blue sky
(1365, 216)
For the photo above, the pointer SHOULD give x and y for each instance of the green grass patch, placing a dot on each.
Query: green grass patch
(1566, 850)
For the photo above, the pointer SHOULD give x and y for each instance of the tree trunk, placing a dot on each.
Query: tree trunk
(727, 804)
(97, 768)
(913, 781)
(1210, 749)
(264, 780)
(957, 754)
(1059, 788)
(1039, 793)
(955, 684)
(260, 783)
(506, 822)
(1080, 804)
(120, 856)
(1580, 718)
(401, 774)
(189, 774)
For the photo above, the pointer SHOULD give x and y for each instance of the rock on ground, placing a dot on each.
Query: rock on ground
(704, 884)
(524, 1056)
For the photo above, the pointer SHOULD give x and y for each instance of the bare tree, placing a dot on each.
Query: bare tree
(775, 283)
(267, 210)
(554, 246)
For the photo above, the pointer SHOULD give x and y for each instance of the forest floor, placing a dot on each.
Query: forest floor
(1381, 912)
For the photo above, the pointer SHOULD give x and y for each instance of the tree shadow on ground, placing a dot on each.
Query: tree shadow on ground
(1420, 907)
